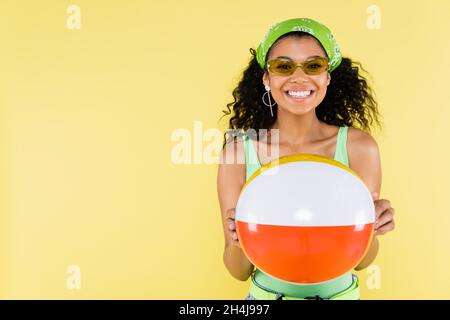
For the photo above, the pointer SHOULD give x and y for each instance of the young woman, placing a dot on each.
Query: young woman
(298, 83)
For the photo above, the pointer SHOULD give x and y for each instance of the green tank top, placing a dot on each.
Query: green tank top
(326, 289)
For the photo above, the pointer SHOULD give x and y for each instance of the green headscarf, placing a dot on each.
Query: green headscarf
(314, 28)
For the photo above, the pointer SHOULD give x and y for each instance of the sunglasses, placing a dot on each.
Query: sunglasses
(286, 67)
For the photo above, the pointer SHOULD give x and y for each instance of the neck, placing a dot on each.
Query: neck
(297, 129)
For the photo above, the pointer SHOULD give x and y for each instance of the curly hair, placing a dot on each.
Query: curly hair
(349, 100)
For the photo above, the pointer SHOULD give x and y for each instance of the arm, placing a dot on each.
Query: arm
(364, 158)
(230, 180)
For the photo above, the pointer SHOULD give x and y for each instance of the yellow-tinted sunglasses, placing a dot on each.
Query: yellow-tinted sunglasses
(286, 67)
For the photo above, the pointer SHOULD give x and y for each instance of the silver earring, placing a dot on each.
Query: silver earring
(270, 101)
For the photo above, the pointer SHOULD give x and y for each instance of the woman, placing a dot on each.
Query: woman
(298, 83)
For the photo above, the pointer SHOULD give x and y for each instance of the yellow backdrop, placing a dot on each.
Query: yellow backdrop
(95, 95)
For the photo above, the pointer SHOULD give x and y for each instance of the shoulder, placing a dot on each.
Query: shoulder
(364, 158)
(360, 143)
(232, 162)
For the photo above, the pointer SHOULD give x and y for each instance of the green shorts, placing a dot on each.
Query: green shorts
(259, 293)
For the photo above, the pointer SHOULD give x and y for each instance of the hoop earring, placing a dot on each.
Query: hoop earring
(270, 101)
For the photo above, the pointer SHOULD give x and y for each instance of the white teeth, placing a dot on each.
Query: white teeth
(299, 93)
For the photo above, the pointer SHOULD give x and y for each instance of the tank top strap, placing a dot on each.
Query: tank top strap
(251, 157)
(341, 154)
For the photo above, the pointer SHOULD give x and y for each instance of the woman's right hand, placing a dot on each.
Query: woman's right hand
(231, 227)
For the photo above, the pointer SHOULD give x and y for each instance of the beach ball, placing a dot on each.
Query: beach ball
(305, 219)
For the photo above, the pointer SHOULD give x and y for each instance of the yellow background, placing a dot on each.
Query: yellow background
(86, 121)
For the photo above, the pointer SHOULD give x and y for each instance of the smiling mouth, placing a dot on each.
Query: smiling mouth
(299, 98)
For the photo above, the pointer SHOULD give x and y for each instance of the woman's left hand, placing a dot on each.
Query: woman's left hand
(384, 215)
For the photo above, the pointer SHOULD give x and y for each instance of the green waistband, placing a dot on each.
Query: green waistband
(349, 293)
(325, 289)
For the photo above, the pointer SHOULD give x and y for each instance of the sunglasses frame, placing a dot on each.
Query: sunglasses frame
(301, 65)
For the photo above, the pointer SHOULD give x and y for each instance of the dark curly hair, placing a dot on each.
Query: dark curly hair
(349, 100)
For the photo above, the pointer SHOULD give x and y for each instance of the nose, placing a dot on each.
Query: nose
(299, 74)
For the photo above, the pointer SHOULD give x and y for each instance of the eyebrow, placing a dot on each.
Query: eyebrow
(291, 58)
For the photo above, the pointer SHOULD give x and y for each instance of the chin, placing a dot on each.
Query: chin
(300, 109)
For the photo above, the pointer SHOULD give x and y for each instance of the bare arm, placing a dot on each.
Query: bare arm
(230, 180)
(364, 159)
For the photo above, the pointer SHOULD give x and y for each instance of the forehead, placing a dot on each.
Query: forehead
(297, 48)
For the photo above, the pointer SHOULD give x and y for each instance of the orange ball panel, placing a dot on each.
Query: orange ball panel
(304, 254)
